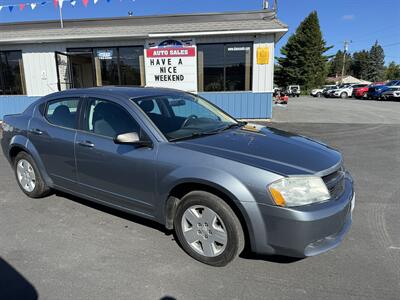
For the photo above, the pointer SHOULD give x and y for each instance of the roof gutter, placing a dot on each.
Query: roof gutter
(278, 32)
(203, 33)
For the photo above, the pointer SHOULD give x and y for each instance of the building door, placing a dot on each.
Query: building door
(64, 76)
(74, 70)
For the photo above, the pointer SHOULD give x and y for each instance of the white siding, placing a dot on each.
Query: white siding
(41, 73)
(263, 75)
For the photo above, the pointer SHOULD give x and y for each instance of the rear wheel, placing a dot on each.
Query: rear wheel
(343, 95)
(28, 177)
(208, 229)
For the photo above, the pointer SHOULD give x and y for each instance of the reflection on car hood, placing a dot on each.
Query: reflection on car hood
(270, 149)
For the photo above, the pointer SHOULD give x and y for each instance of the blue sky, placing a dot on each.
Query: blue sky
(362, 21)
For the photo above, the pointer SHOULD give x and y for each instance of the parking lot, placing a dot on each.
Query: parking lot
(63, 247)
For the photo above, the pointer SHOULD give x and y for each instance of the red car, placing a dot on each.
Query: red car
(360, 91)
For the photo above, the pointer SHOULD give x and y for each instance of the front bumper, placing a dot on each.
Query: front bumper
(309, 230)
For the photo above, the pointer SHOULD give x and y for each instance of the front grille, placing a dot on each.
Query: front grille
(335, 183)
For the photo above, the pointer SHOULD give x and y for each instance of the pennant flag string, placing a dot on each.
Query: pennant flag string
(56, 3)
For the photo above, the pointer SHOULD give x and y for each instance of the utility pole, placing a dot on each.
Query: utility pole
(346, 48)
(61, 16)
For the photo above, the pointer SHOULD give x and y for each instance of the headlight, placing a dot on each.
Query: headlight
(299, 190)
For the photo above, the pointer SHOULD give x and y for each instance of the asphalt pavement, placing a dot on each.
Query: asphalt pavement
(62, 247)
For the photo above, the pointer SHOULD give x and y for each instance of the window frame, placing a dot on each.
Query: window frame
(91, 50)
(60, 99)
(224, 65)
(21, 75)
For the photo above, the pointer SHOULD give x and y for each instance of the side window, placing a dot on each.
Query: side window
(63, 112)
(109, 119)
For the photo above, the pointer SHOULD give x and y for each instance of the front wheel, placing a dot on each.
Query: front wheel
(28, 177)
(208, 229)
(343, 95)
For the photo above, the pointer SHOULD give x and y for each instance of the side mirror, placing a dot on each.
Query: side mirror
(131, 138)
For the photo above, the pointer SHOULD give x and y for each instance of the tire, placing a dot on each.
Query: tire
(319, 95)
(26, 171)
(216, 239)
(343, 95)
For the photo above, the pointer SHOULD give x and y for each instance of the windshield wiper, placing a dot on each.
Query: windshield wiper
(233, 125)
(193, 135)
(212, 132)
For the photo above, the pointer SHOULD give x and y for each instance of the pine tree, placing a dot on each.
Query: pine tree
(335, 65)
(392, 71)
(360, 64)
(376, 65)
(303, 60)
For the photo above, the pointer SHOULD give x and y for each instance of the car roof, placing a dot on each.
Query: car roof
(122, 91)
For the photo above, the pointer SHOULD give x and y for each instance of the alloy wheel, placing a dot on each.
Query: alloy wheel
(204, 230)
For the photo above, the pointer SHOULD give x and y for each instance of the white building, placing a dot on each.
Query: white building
(226, 57)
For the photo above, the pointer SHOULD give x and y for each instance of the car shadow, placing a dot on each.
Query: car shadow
(115, 212)
(246, 254)
(279, 259)
(13, 285)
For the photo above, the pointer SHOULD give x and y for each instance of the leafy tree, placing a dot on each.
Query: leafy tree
(376, 64)
(335, 65)
(392, 72)
(360, 64)
(303, 60)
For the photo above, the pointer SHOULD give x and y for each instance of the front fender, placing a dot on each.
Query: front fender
(225, 183)
(23, 143)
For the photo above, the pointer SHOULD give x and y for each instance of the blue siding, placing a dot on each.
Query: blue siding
(245, 105)
(14, 104)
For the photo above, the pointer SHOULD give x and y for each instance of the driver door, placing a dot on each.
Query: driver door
(118, 174)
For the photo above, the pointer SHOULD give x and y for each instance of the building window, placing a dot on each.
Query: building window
(110, 65)
(12, 80)
(225, 67)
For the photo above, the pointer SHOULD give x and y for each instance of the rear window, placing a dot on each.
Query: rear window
(63, 112)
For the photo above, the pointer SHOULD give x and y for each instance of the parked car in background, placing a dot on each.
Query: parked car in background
(327, 90)
(360, 91)
(176, 159)
(293, 91)
(320, 92)
(392, 94)
(343, 91)
(375, 91)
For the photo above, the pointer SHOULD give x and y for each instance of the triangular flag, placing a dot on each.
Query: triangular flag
(21, 6)
(108, 1)
(61, 2)
(73, 2)
(85, 2)
(55, 3)
(43, 3)
(1, 7)
(10, 8)
(33, 6)
(95, 1)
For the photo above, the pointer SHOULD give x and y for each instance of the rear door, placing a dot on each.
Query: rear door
(122, 175)
(52, 131)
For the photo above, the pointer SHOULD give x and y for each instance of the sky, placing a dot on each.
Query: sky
(360, 21)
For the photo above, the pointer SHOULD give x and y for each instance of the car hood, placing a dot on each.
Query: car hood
(269, 149)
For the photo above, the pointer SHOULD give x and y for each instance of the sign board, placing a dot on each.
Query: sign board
(263, 56)
(105, 54)
(171, 64)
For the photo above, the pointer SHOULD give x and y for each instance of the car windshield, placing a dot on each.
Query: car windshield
(392, 83)
(185, 116)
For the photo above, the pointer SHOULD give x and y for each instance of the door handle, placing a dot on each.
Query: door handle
(37, 131)
(86, 144)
